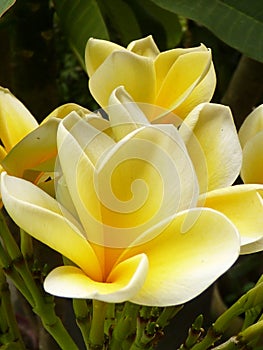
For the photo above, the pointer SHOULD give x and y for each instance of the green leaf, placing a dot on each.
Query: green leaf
(166, 22)
(121, 19)
(81, 20)
(239, 23)
(5, 5)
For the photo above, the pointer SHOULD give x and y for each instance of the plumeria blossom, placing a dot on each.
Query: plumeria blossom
(212, 142)
(176, 80)
(28, 149)
(126, 212)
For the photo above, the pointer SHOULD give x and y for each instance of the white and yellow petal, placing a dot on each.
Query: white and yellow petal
(182, 78)
(43, 218)
(144, 47)
(252, 166)
(211, 139)
(193, 250)
(136, 73)
(96, 52)
(251, 126)
(243, 205)
(124, 281)
(15, 119)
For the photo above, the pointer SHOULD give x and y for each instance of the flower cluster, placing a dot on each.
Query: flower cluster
(140, 201)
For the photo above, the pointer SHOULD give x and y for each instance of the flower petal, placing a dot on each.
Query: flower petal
(145, 177)
(134, 72)
(63, 110)
(96, 52)
(144, 47)
(243, 205)
(211, 139)
(194, 249)
(184, 75)
(125, 280)
(252, 166)
(43, 218)
(203, 92)
(37, 150)
(15, 120)
(165, 60)
(251, 126)
(124, 114)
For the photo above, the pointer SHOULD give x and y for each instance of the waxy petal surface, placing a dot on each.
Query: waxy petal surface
(43, 218)
(251, 126)
(213, 145)
(97, 51)
(243, 205)
(252, 166)
(193, 250)
(15, 119)
(182, 78)
(125, 280)
(134, 72)
(144, 47)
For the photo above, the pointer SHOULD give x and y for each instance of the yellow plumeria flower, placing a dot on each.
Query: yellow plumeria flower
(125, 212)
(212, 142)
(176, 80)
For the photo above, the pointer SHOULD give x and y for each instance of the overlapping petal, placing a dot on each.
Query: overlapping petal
(182, 78)
(124, 281)
(192, 251)
(243, 205)
(15, 120)
(134, 72)
(213, 145)
(176, 80)
(43, 218)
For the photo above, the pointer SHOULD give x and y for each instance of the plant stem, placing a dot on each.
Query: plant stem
(96, 336)
(83, 318)
(8, 312)
(26, 245)
(125, 326)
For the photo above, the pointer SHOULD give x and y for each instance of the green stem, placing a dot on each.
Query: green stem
(83, 318)
(8, 312)
(7, 265)
(96, 336)
(125, 326)
(26, 245)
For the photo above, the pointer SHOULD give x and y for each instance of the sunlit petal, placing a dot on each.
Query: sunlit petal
(165, 60)
(182, 78)
(243, 205)
(96, 52)
(134, 72)
(194, 249)
(125, 280)
(43, 218)
(147, 176)
(203, 92)
(212, 142)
